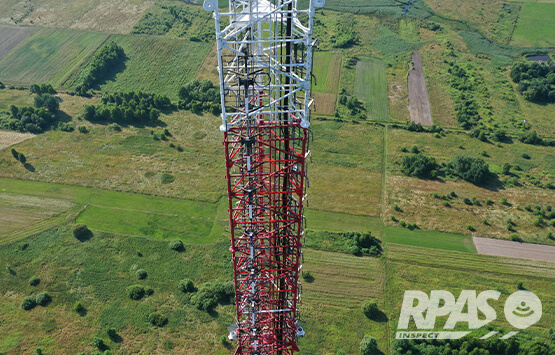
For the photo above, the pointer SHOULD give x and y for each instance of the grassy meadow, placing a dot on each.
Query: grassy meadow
(160, 65)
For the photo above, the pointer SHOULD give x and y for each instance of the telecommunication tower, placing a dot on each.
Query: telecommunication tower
(264, 64)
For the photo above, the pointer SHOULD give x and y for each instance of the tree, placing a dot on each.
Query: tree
(157, 319)
(136, 292)
(89, 113)
(80, 231)
(15, 154)
(369, 346)
(506, 169)
(499, 135)
(21, 157)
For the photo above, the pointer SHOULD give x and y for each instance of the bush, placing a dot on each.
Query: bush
(370, 309)
(82, 129)
(223, 341)
(176, 245)
(149, 291)
(520, 285)
(526, 156)
(43, 299)
(80, 231)
(79, 308)
(446, 204)
(167, 178)
(186, 285)
(369, 346)
(34, 281)
(98, 343)
(28, 303)
(467, 201)
(209, 295)
(141, 274)
(489, 202)
(470, 227)
(504, 201)
(136, 292)
(157, 319)
(516, 238)
(112, 334)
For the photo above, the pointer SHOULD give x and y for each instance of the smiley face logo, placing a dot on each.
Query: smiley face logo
(523, 309)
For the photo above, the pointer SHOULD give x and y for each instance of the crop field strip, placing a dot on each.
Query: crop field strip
(371, 87)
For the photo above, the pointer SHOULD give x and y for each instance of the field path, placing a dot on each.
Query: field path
(510, 249)
(419, 103)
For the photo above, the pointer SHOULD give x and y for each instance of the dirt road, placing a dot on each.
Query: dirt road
(510, 249)
(419, 103)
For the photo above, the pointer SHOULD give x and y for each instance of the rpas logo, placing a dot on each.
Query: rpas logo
(522, 309)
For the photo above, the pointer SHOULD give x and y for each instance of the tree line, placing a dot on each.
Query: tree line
(128, 108)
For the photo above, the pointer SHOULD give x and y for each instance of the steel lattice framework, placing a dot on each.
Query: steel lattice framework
(264, 63)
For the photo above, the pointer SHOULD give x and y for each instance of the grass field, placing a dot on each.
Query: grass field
(535, 25)
(371, 87)
(156, 64)
(19, 212)
(97, 15)
(49, 56)
(345, 175)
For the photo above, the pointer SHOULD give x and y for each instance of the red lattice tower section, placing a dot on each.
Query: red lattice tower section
(265, 172)
(264, 65)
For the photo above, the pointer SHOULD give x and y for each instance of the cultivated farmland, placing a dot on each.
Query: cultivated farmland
(49, 56)
(10, 36)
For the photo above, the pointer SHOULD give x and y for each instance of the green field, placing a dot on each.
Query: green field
(371, 87)
(326, 68)
(110, 211)
(428, 239)
(49, 56)
(156, 64)
(535, 25)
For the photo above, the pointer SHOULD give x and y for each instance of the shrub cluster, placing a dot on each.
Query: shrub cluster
(80, 231)
(200, 96)
(19, 156)
(536, 82)
(474, 170)
(363, 243)
(42, 89)
(30, 302)
(103, 62)
(419, 165)
(186, 285)
(210, 294)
